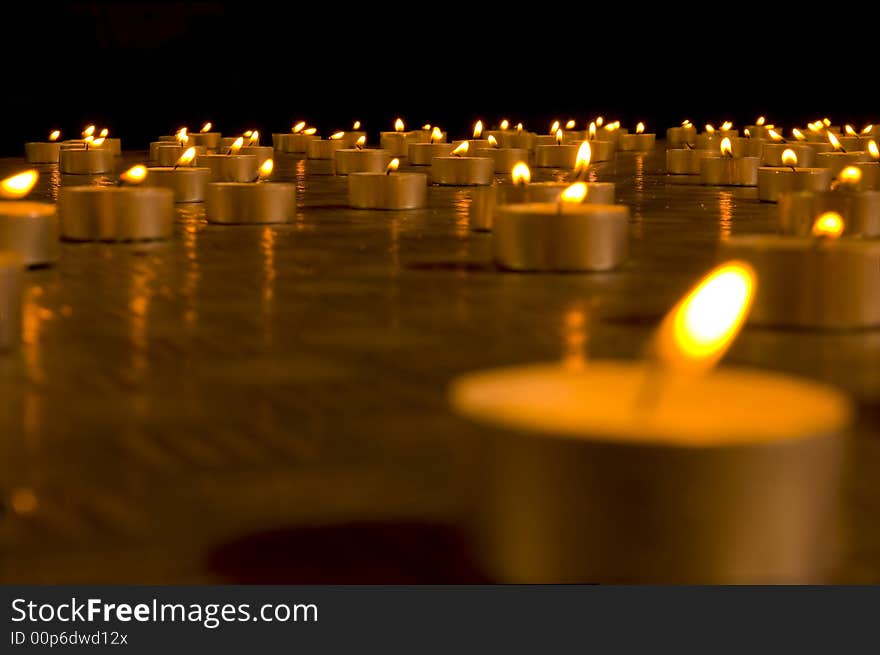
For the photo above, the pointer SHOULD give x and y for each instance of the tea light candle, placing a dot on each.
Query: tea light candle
(297, 141)
(361, 160)
(773, 180)
(771, 153)
(421, 154)
(388, 190)
(641, 140)
(685, 161)
(85, 161)
(231, 167)
(43, 152)
(206, 138)
(246, 203)
(505, 158)
(816, 281)
(186, 182)
(460, 170)
(169, 154)
(354, 135)
(575, 459)
(561, 236)
(726, 170)
(860, 210)
(11, 280)
(28, 228)
(557, 155)
(837, 160)
(321, 149)
(518, 138)
(395, 142)
(122, 213)
(676, 137)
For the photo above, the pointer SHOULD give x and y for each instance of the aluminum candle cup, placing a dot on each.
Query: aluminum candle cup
(712, 140)
(79, 161)
(476, 144)
(391, 191)
(113, 144)
(505, 158)
(115, 213)
(602, 150)
(351, 138)
(188, 184)
(209, 140)
(850, 143)
(394, 142)
(641, 142)
(262, 153)
(556, 156)
(837, 161)
(729, 171)
(236, 203)
(42, 152)
(296, 143)
(807, 283)
(560, 236)
(231, 168)
(361, 161)
(685, 161)
(579, 482)
(11, 280)
(421, 154)
(462, 171)
(676, 137)
(771, 154)
(321, 149)
(860, 210)
(774, 180)
(422, 136)
(516, 139)
(167, 155)
(484, 200)
(31, 230)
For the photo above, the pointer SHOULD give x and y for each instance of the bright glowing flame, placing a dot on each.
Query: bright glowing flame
(850, 130)
(834, 141)
(206, 128)
(849, 176)
(19, 185)
(554, 128)
(873, 150)
(829, 225)
(97, 143)
(478, 129)
(696, 333)
(710, 129)
(460, 149)
(748, 133)
(599, 121)
(248, 134)
(640, 128)
(591, 131)
(266, 168)
(797, 134)
(726, 125)
(774, 135)
(187, 157)
(337, 135)
(575, 193)
(356, 125)
(613, 126)
(813, 127)
(134, 175)
(89, 140)
(827, 122)
(761, 120)
(519, 127)
(236, 145)
(726, 147)
(89, 131)
(54, 135)
(436, 135)
(558, 137)
(686, 123)
(398, 125)
(868, 129)
(361, 142)
(299, 127)
(393, 165)
(181, 134)
(789, 157)
(426, 127)
(582, 161)
(104, 133)
(309, 131)
(569, 125)
(493, 142)
(254, 138)
(505, 124)
(520, 174)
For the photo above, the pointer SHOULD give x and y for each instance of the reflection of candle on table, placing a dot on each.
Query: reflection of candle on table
(11, 280)
(460, 170)
(360, 159)
(254, 202)
(28, 228)
(128, 212)
(186, 182)
(774, 180)
(643, 471)
(421, 154)
(388, 190)
(43, 152)
(727, 170)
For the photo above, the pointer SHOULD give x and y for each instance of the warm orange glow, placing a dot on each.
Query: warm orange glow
(54, 135)
(356, 125)
(591, 131)
(519, 127)
(834, 141)
(181, 134)
(337, 135)
(868, 129)
(850, 130)
(570, 124)
(361, 142)
(266, 168)
(309, 131)
(299, 127)
(104, 133)
(710, 129)
(576, 193)
(206, 128)
(774, 135)
(88, 140)
(134, 175)
(478, 129)
(426, 127)
(554, 128)
(97, 143)
(686, 123)
(248, 134)
(827, 122)
(696, 333)
(187, 158)
(520, 175)
(599, 121)
(829, 225)
(748, 133)
(726, 125)
(640, 128)
(761, 120)
(726, 147)
(254, 138)
(436, 135)
(873, 150)
(558, 137)
(89, 131)
(393, 165)
(460, 149)
(613, 126)
(814, 128)
(505, 124)
(398, 125)
(493, 142)
(797, 134)
(236, 145)
(582, 161)
(789, 157)
(19, 185)
(849, 176)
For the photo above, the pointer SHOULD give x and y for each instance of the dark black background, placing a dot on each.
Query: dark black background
(146, 68)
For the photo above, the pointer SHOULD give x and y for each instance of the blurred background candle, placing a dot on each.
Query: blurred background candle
(640, 141)
(838, 158)
(676, 137)
(43, 152)
(685, 161)
(459, 169)
(773, 180)
(207, 138)
(388, 190)
(232, 166)
(90, 159)
(321, 149)
(558, 155)
(360, 159)
(421, 154)
(28, 228)
(395, 142)
(727, 170)
(504, 158)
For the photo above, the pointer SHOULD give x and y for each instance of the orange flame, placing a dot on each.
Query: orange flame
(460, 149)
(393, 165)
(398, 125)
(576, 193)
(493, 142)
(873, 150)
(236, 145)
(789, 157)
(19, 185)
(829, 225)
(478, 129)
(54, 135)
(134, 175)
(834, 141)
(520, 174)
(558, 137)
(640, 128)
(726, 147)
(361, 142)
(299, 127)
(505, 124)
(337, 135)
(206, 128)
(266, 169)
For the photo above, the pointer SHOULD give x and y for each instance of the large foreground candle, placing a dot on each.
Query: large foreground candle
(28, 228)
(388, 190)
(11, 266)
(659, 470)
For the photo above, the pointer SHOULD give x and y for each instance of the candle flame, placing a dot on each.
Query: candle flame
(748, 133)
(398, 125)
(436, 135)
(558, 137)
(54, 135)
(236, 145)
(591, 131)
(356, 125)
(710, 129)
(868, 128)
(97, 143)
(789, 157)
(699, 329)
(206, 127)
(426, 127)
(834, 141)
(493, 142)
(613, 126)
(248, 134)
(181, 134)
(460, 149)
(726, 147)
(505, 124)
(873, 150)
(337, 135)
(187, 157)
(640, 128)
(582, 161)
(254, 138)
(829, 225)
(686, 123)
(569, 125)
(135, 174)
(774, 135)
(761, 120)
(827, 122)
(599, 121)
(576, 193)
(726, 125)
(89, 131)
(299, 127)
(813, 127)
(19, 185)
(520, 174)
(361, 142)
(850, 130)
(478, 129)
(266, 168)
(519, 127)
(104, 133)
(797, 134)
(554, 128)
(393, 165)
(309, 131)
(849, 176)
